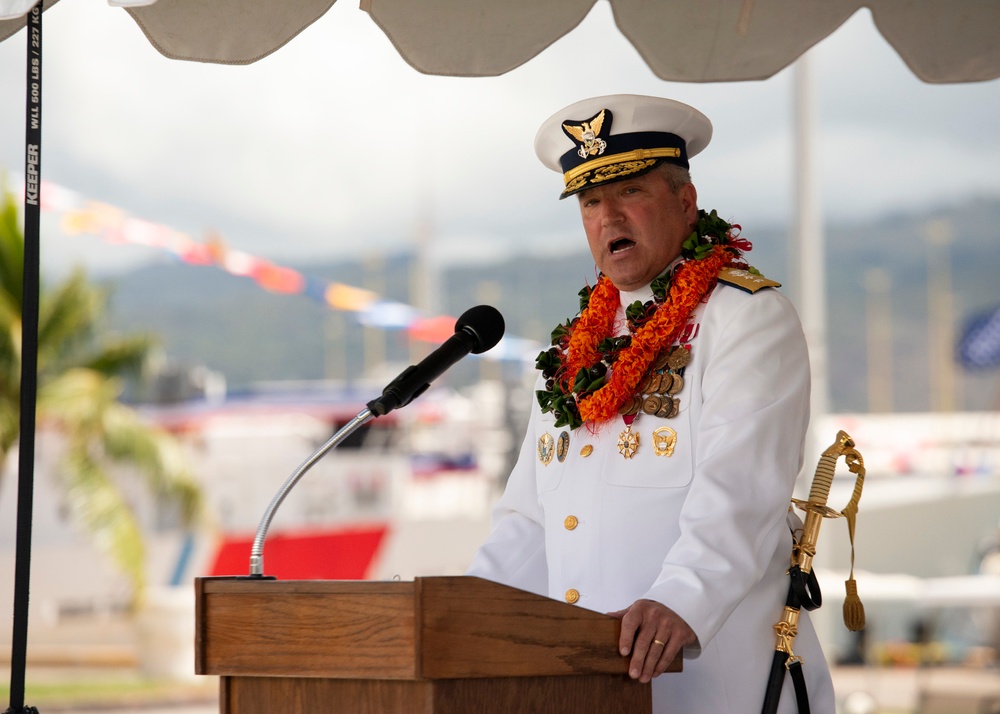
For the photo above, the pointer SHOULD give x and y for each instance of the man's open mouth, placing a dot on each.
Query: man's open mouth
(620, 244)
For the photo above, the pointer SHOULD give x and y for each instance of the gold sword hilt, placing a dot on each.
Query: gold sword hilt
(815, 508)
(804, 548)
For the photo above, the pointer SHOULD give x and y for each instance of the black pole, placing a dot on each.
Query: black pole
(29, 360)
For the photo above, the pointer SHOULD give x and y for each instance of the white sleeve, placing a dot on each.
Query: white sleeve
(749, 442)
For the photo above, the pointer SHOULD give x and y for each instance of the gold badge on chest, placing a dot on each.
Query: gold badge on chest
(628, 442)
(664, 441)
(562, 446)
(546, 448)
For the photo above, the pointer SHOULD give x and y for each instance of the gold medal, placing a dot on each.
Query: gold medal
(631, 407)
(664, 441)
(628, 442)
(679, 358)
(666, 383)
(546, 448)
(666, 406)
(677, 384)
(651, 404)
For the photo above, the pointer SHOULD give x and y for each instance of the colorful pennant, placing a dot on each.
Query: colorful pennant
(78, 215)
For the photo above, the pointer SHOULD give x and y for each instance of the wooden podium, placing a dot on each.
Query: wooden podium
(439, 645)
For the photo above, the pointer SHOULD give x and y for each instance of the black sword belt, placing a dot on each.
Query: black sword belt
(803, 587)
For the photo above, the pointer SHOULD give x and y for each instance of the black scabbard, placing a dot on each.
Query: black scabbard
(803, 592)
(775, 680)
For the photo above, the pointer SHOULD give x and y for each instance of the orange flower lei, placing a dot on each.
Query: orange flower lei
(688, 288)
(578, 387)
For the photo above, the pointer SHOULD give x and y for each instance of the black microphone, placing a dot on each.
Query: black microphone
(477, 330)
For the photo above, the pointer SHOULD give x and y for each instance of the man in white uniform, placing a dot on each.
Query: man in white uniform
(656, 473)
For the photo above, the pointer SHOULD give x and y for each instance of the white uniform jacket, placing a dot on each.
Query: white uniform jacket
(703, 530)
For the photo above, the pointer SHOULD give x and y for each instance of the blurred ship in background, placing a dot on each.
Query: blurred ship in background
(408, 494)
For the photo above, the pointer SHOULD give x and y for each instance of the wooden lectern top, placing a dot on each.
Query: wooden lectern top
(430, 628)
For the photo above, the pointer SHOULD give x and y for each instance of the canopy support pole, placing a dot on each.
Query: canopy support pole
(29, 360)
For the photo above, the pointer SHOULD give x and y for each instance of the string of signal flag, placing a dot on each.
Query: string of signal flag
(78, 215)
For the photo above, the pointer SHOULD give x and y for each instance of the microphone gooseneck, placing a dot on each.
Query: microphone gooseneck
(477, 330)
(257, 549)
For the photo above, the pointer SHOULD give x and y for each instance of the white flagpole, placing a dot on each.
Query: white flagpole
(811, 258)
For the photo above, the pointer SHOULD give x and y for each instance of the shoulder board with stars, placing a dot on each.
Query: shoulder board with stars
(745, 280)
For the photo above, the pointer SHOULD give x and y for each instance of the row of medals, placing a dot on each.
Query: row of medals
(656, 396)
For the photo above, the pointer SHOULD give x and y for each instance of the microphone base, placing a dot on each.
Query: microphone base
(244, 577)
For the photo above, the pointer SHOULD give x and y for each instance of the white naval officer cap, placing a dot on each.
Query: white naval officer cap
(604, 139)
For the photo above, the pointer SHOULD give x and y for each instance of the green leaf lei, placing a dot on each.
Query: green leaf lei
(710, 231)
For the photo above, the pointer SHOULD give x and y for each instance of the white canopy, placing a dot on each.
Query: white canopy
(681, 40)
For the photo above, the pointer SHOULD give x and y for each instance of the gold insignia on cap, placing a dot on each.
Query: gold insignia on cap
(587, 134)
(615, 166)
(576, 183)
(624, 168)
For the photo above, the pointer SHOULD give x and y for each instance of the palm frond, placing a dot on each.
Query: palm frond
(11, 251)
(83, 404)
(75, 400)
(119, 355)
(127, 438)
(96, 502)
(10, 360)
(67, 320)
(10, 430)
(78, 395)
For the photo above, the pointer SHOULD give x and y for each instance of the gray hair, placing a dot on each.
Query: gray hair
(676, 176)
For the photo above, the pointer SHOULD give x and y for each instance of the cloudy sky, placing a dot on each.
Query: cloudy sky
(334, 146)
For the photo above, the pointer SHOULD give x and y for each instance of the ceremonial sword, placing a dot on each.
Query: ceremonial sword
(803, 588)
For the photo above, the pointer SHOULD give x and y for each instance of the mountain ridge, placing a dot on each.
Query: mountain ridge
(204, 315)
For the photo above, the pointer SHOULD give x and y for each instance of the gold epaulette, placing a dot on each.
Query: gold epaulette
(745, 280)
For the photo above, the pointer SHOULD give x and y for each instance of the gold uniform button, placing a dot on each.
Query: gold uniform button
(571, 522)
(572, 596)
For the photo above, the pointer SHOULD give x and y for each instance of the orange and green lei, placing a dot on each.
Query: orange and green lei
(589, 373)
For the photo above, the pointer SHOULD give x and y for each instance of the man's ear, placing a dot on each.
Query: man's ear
(689, 202)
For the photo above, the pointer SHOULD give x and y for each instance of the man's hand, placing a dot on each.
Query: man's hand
(654, 634)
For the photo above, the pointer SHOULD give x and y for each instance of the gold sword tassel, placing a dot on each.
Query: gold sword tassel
(804, 550)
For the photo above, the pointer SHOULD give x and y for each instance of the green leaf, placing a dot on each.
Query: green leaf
(560, 332)
(660, 286)
(635, 312)
(691, 242)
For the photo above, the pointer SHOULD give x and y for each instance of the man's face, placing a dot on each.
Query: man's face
(635, 227)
